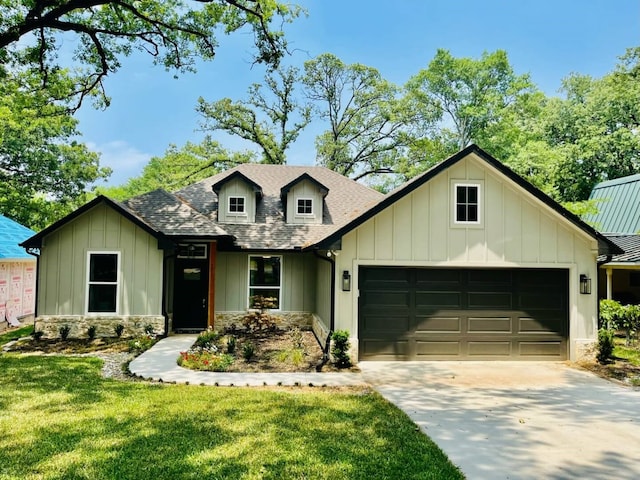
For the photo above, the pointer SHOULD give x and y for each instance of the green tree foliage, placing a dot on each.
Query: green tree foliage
(174, 32)
(594, 129)
(179, 167)
(278, 106)
(44, 171)
(369, 123)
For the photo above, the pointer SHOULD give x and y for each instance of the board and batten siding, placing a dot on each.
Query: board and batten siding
(63, 264)
(304, 189)
(237, 188)
(298, 282)
(516, 230)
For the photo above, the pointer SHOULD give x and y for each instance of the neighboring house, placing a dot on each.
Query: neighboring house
(618, 217)
(17, 275)
(466, 261)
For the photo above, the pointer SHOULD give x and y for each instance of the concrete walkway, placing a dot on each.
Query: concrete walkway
(160, 363)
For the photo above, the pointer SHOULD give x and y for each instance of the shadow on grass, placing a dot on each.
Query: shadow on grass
(65, 421)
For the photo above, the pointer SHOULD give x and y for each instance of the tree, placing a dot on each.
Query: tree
(594, 129)
(44, 171)
(178, 168)
(471, 95)
(242, 118)
(173, 32)
(369, 124)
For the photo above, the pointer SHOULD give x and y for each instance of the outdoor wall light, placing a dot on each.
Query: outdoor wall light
(191, 250)
(346, 281)
(585, 284)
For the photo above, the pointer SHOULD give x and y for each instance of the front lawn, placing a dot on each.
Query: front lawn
(60, 419)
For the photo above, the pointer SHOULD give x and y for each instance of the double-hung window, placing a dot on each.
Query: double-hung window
(103, 275)
(265, 278)
(467, 203)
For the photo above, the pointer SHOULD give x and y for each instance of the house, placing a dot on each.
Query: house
(618, 218)
(17, 275)
(466, 261)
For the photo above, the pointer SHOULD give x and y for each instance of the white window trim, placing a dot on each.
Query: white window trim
(202, 245)
(478, 185)
(249, 286)
(237, 214)
(88, 283)
(298, 214)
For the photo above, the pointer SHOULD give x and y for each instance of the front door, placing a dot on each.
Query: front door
(191, 294)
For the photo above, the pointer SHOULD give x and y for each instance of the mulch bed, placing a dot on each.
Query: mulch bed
(617, 369)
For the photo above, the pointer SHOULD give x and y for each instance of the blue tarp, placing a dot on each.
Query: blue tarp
(11, 235)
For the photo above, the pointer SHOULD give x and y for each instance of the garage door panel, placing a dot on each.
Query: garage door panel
(464, 314)
(489, 325)
(438, 325)
(439, 299)
(430, 349)
(489, 349)
(484, 300)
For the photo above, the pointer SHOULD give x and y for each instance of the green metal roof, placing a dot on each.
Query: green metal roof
(618, 204)
(11, 234)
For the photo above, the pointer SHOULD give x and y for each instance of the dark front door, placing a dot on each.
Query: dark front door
(191, 294)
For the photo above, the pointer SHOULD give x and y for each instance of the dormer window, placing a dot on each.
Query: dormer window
(237, 206)
(304, 206)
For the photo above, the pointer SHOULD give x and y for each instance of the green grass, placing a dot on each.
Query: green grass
(15, 334)
(630, 354)
(60, 419)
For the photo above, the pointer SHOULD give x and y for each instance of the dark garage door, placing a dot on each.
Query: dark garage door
(453, 314)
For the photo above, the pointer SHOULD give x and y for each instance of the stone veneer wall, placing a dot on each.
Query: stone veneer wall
(134, 325)
(320, 330)
(284, 320)
(585, 350)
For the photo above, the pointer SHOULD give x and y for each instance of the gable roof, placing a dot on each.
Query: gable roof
(36, 240)
(11, 234)
(257, 189)
(618, 204)
(605, 246)
(305, 176)
(345, 200)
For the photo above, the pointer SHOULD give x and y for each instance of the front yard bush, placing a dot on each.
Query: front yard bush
(141, 344)
(605, 345)
(340, 348)
(203, 360)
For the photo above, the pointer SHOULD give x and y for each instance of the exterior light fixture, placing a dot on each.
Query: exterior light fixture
(585, 284)
(191, 250)
(346, 281)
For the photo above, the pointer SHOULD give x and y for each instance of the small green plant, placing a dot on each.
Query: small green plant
(248, 351)
(141, 344)
(64, 331)
(340, 348)
(37, 335)
(91, 332)
(231, 344)
(148, 329)
(207, 340)
(605, 345)
(119, 329)
(297, 338)
(208, 361)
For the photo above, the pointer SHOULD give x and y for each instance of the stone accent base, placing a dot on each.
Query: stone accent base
(585, 350)
(284, 320)
(134, 325)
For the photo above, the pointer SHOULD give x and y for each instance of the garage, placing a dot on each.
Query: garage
(462, 313)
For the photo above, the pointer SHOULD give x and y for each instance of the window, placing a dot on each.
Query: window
(265, 278)
(304, 206)
(102, 286)
(467, 203)
(192, 250)
(237, 206)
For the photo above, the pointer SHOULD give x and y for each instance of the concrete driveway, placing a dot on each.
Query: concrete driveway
(518, 420)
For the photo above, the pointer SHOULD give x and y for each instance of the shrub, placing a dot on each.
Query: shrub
(119, 329)
(297, 338)
(340, 348)
(207, 340)
(203, 360)
(148, 329)
(141, 344)
(91, 332)
(231, 344)
(610, 313)
(64, 331)
(605, 345)
(248, 351)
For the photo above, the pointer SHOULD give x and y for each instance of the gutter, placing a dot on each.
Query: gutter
(332, 316)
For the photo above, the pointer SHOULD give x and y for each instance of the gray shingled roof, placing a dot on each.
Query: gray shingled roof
(618, 204)
(345, 200)
(631, 246)
(168, 214)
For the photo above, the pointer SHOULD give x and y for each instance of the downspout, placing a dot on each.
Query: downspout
(31, 251)
(607, 259)
(332, 315)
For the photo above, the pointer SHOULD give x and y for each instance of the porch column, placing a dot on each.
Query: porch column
(609, 271)
(211, 315)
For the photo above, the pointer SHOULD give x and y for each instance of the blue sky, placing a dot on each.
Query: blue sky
(548, 39)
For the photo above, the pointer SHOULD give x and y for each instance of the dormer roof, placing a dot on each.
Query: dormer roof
(305, 176)
(216, 187)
